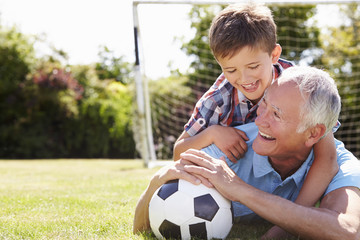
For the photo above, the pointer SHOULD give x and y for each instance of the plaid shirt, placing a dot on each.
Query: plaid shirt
(224, 105)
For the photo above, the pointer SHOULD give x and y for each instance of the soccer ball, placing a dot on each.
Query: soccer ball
(181, 210)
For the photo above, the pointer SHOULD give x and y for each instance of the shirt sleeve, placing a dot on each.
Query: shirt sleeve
(349, 170)
(205, 111)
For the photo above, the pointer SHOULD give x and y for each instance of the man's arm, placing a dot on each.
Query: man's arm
(337, 218)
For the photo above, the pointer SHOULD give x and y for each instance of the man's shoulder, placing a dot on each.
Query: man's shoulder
(250, 129)
(349, 169)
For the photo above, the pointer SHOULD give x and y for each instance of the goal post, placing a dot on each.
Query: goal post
(145, 142)
(161, 115)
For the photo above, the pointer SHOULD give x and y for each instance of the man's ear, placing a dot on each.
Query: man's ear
(315, 134)
(275, 54)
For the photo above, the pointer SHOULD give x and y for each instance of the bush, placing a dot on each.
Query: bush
(51, 111)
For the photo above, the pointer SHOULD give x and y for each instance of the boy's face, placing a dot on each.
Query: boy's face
(250, 70)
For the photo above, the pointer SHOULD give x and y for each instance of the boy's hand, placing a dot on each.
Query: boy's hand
(230, 141)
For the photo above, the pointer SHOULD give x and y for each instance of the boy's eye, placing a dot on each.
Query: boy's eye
(231, 71)
(254, 67)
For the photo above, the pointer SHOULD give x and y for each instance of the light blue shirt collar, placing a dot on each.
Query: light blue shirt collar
(262, 167)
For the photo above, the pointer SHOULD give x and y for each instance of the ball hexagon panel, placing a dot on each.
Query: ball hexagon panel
(221, 224)
(179, 207)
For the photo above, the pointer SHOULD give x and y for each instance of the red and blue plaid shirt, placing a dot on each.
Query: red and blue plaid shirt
(224, 105)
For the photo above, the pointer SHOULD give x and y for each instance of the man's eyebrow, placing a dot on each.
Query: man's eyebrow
(276, 108)
(272, 105)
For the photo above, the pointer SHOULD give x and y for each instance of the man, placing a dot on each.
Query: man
(296, 112)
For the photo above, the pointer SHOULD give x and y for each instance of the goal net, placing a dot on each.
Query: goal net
(175, 65)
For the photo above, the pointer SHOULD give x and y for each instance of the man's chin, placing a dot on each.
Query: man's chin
(259, 147)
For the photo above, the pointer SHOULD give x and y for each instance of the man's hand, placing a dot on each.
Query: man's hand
(213, 172)
(230, 141)
(176, 171)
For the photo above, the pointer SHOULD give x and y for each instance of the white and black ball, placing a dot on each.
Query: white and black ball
(181, 210)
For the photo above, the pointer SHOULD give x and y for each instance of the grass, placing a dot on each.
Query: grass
(77, 199)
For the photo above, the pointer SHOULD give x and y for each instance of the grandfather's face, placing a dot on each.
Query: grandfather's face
(278, 119)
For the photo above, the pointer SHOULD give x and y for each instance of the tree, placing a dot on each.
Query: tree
(341, 57)
(112, 67)
(49, 110)
(298, 38)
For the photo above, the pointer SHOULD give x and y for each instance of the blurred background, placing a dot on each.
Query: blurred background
(67, 71)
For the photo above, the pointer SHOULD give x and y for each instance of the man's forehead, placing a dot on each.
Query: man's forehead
(283, 96)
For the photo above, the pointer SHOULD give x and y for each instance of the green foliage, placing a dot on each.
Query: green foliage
(293, 25)
(52, 111)
(206, 68)
(342, 45)
(113, 67)
(105, 122)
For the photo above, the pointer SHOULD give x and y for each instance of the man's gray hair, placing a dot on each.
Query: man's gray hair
(322, 99)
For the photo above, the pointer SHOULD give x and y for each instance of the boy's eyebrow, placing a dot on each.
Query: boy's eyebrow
(251, 63)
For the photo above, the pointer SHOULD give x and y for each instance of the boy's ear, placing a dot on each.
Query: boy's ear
(315, 134)
(275, 54)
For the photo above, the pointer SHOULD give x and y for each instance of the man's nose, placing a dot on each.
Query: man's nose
(261, 119)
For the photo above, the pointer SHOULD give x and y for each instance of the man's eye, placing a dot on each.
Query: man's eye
(276, 115)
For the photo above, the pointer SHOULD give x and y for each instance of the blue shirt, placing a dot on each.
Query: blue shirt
(256, 170)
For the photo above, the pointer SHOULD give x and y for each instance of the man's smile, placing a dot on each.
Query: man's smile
(265, 136)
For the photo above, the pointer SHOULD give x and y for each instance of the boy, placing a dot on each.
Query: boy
(243, 41)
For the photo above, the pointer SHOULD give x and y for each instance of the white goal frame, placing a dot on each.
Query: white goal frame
(147, 149)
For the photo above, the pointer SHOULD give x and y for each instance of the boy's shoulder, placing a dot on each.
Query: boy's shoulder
(220, 87)
(281, 65)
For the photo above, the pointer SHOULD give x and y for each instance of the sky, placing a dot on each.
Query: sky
(80, 27)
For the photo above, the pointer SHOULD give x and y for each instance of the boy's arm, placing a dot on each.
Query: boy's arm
(322, 171)
(185, 142)
(229, 140)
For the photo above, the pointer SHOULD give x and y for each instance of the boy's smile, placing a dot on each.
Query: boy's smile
(250, 70)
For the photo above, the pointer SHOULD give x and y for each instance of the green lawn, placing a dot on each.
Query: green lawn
(76, 199)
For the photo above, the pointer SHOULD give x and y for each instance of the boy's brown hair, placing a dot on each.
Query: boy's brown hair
(241, 25)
